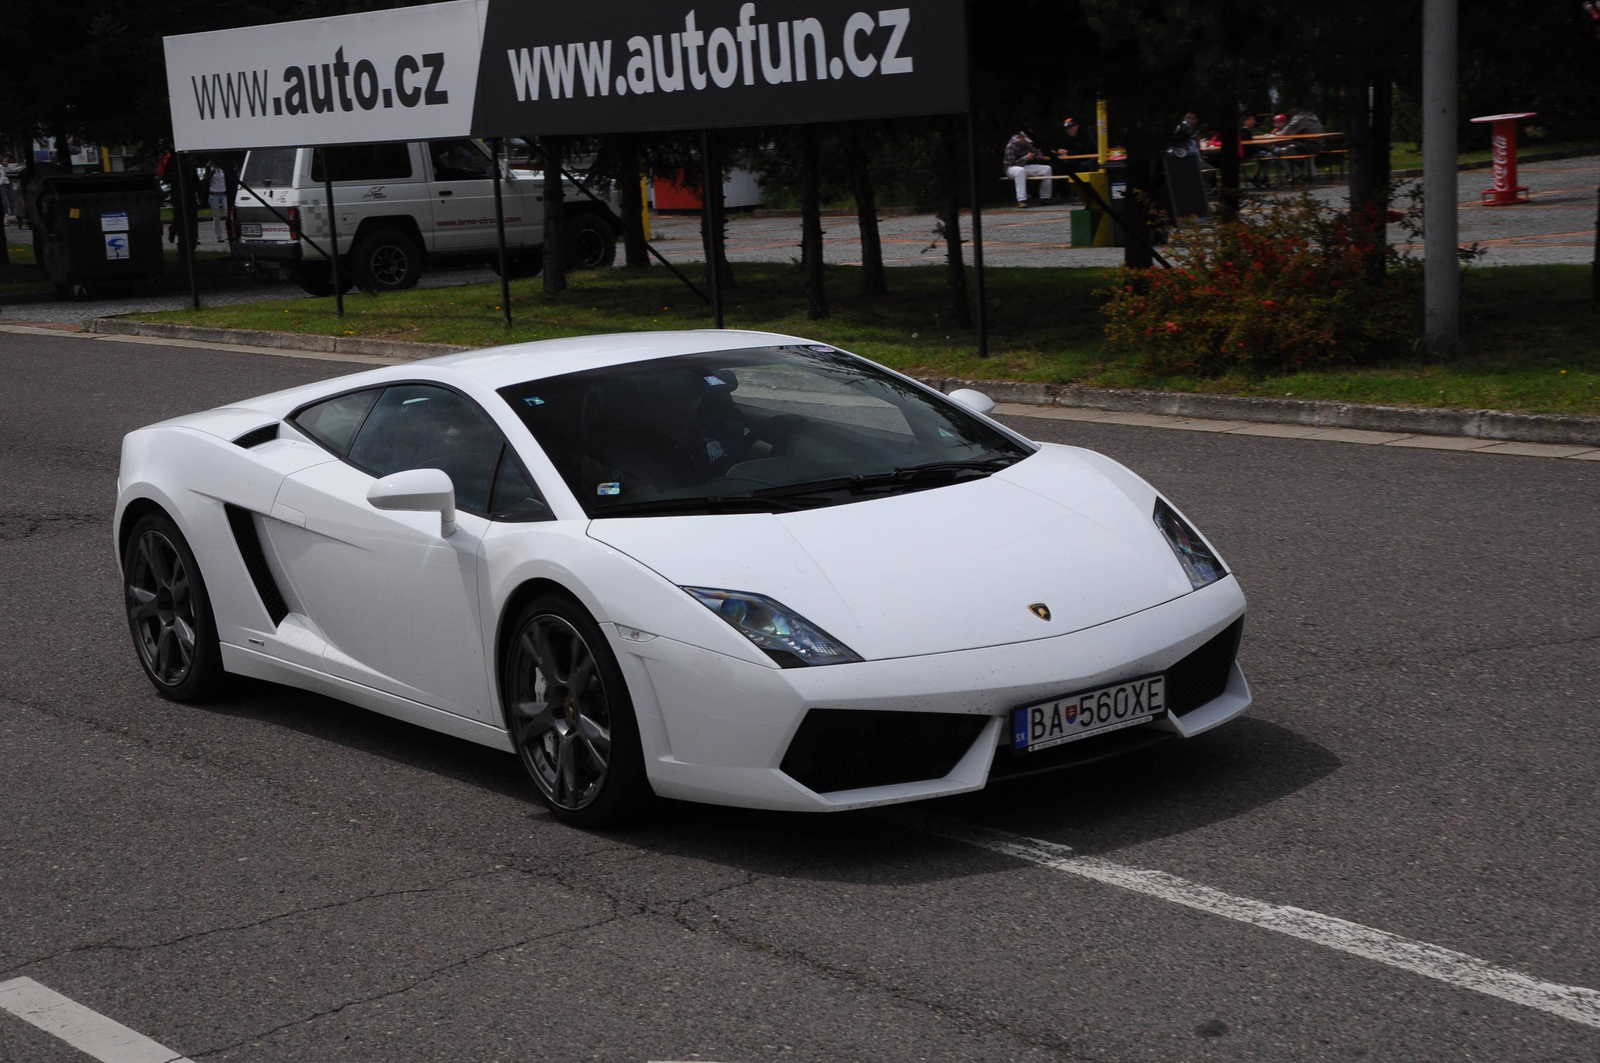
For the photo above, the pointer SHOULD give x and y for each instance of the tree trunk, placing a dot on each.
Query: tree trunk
(1136, 209)
(811, 224)
(950, 220)
(1229, 167)
(873, 279)
(555, 212)
(635, 254)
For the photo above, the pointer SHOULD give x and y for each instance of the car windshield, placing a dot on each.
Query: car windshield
(269, 168)
(764, 430)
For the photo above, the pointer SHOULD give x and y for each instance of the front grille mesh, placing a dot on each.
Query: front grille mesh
(846, 749)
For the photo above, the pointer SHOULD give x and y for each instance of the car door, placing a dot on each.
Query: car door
(463, 198)
(398, 603)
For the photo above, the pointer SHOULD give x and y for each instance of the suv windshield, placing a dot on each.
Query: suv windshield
(765, 430)
(269, 168)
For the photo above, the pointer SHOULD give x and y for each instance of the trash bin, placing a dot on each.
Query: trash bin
(1085, 224)
(98, 228)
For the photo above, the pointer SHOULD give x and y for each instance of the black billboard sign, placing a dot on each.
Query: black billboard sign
(627, 65)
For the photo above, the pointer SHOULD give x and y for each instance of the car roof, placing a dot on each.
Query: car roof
(515, 363)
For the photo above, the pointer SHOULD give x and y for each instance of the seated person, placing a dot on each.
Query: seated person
(1025, 160)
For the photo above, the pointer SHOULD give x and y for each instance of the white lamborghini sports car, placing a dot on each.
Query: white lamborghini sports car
(716, 566)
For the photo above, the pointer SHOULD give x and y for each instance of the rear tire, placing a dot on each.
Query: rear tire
(590, 242)
(169, 612)
(570, 717)
(386, 260)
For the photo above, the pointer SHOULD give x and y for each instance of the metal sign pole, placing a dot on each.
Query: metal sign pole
(183, 211)
(500, 233)
(333, 232)
(977, 240)
(706, 177)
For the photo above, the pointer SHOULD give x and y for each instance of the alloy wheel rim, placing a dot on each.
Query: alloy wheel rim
(389, 264)
(590, 249)
(161, 609)
(560, 715)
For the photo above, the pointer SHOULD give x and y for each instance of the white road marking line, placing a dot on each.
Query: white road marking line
(88, 1031)
(1576, 1003)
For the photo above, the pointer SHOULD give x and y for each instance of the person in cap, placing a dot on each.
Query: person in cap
(1025, 160)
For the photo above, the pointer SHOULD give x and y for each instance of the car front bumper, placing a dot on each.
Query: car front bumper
(717, 729)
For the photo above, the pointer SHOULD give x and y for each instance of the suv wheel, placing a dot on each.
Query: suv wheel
(386, 260)
(590, 242)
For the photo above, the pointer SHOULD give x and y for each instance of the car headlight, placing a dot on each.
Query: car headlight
(781, 633)
(1199, 563)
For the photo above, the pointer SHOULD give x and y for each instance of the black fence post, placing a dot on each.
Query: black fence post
(977, 240)
(706, 177)
(184, 213)
(500, 233)
(333, 232)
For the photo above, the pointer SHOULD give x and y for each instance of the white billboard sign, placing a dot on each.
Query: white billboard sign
(404, 74)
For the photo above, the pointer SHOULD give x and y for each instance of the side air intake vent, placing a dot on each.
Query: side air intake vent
(257, 436)
(255, 560)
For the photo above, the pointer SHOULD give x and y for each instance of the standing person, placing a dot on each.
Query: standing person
(5, 187)
(1025, 160)
(217, 192)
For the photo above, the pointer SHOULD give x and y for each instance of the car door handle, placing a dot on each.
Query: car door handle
(446, 192)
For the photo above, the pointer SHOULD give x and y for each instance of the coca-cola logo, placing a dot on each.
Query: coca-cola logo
(1502, 159)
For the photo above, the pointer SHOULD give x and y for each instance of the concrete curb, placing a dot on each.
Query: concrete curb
(289, 341)
(1404, 420)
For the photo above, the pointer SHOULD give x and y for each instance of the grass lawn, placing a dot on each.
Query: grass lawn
(1529, 330)
(1403, 156)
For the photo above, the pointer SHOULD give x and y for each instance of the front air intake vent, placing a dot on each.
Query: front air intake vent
(257, 436)
(255, 560)
(1202, 676)
(844, 749)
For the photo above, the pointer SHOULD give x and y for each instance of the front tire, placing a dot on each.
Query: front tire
(386, 260)
(590, 242)
(571, 720)
(169, 612)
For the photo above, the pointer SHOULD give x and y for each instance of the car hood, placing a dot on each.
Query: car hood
(955, 567)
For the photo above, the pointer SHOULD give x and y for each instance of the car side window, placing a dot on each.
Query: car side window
(459, 160)
(334, 423)
(419, 426)
(516, 497)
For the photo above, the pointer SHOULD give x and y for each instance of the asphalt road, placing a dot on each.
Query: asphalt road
(280, 877)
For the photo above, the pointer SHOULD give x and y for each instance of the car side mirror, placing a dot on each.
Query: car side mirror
(976, 401)
(418, 491)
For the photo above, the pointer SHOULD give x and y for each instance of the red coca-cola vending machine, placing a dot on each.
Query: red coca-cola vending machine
(1503, 136)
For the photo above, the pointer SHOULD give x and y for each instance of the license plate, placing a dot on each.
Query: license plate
(249, 228)
(1088, 712)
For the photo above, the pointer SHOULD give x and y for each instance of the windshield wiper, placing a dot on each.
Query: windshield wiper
(699, 505)
(930, 474)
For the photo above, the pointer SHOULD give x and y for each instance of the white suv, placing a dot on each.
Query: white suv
(401, 205)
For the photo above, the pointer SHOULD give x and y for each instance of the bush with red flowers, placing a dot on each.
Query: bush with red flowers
(1289, 287)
